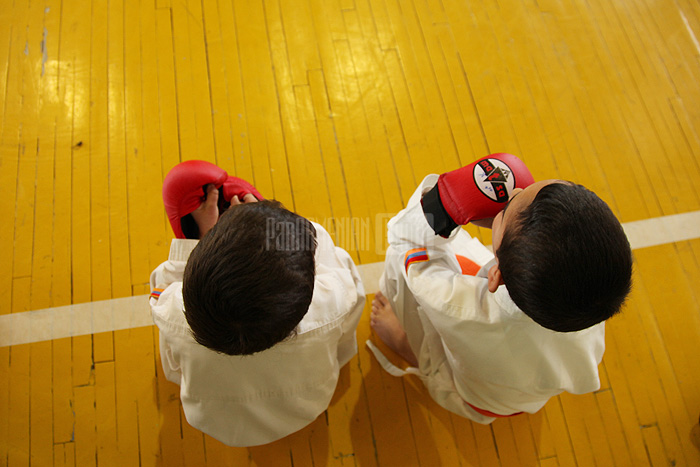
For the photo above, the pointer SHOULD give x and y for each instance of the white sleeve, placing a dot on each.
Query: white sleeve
(428, 261)
(166, 286)
(336, 262)
(173, 269)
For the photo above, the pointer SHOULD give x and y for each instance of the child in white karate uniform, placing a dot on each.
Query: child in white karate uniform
(256, 318)
(529, 324)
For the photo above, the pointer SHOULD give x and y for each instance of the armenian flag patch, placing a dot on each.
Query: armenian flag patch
(417, 255)
(155, 293)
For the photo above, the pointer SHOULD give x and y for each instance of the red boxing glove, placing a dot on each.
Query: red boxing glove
(234, 186)
(184, 189)
(476, 191)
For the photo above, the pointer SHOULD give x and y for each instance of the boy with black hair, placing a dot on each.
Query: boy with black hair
(257, 317)
(528, 323)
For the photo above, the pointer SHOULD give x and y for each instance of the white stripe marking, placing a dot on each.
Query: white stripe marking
(690, 31)
(132, 312)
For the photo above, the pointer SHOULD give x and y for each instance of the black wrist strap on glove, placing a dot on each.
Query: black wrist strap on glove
(435, 213)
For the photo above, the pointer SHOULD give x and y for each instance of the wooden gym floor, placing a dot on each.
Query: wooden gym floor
(337, 108)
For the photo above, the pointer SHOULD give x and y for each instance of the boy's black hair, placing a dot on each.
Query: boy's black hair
(565, 259)
(250, 280)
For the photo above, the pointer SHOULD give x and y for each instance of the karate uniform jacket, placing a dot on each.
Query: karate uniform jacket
(257, 399)
(476, 347)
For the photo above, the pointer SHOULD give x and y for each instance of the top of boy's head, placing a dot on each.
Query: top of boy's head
(563, 256)
(250, 280)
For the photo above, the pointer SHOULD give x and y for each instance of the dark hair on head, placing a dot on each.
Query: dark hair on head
(565, 259)
(250, 280)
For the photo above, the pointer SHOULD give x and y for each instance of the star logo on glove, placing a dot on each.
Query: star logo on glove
(494, 179)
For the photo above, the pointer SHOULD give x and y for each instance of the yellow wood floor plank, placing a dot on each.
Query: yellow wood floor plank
(359, 39)
(596, 431)
(432, 429)
(192, 444)
(425, 97)
(593, 142)
(486, 443)
(218, 83)
(7, 16)
(27, 148)
(272, 454)
(18, 436)
(549, 462)
(393, 437)
(100, 240)
(654, 446)
(460, 132)
(78, 32)
(222, 15)
(168, 396)
(465, 440)
(151, 166)
(40, 404)
(41, 433)
(61, 293)
(519, 82)
(613, 428)
(64, 455)
(42, 248)
(16, 440)
(265, 138)
(118, 212)
(632, 366)
(167, 95)
(200, 82)
(138, 183)
(599, 120)
(10, 151)
(353, 395)
(335, 183)
(137, 363)
(85, 426)
(540, 434)
(389, 168)
(105, 413)
(136, 414)
(526, 441)
(220, 454)
(477, 59)
(560, 432)
(623, 390)
(62, 392)
(300, 40)
(377, 13)
(680, 353)
(669, 132)
(294, 147)
(562, 119)
(463, 95)
(418, 148)
(4, 400)
(353, 139)
(505, 442)
(663, 25)
(387, 108)
(186, 94)
(314, 174)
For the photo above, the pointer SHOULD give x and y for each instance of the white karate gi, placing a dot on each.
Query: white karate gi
(474, 346)
(257, 399)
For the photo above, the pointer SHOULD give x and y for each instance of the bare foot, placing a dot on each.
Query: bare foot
(385, 323)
